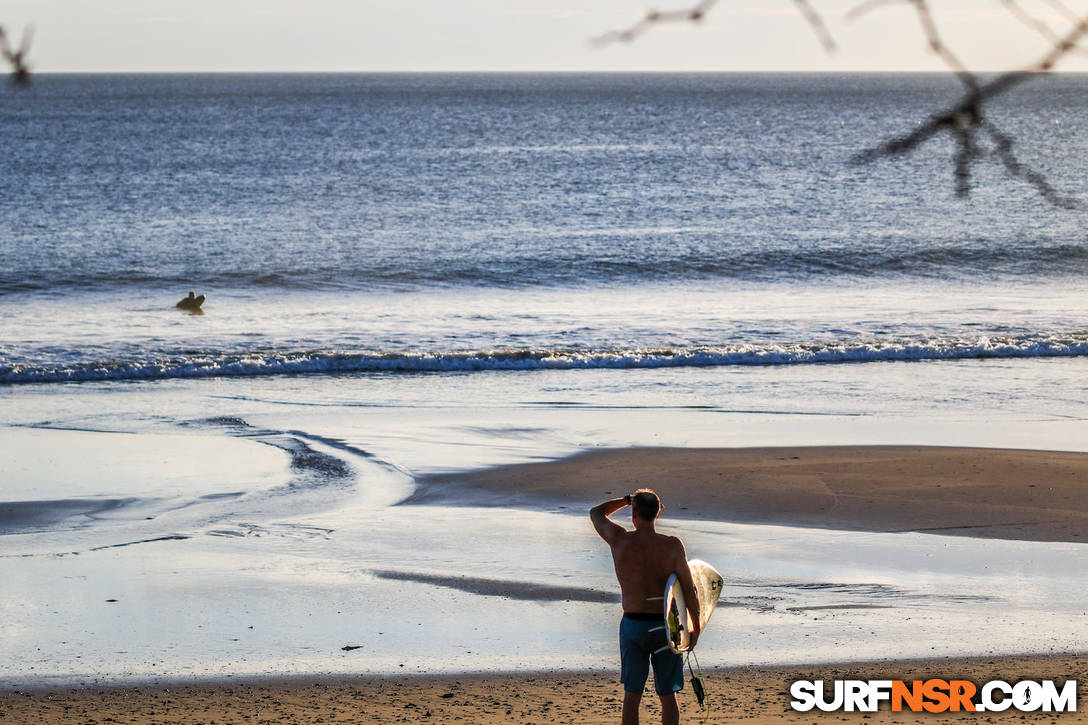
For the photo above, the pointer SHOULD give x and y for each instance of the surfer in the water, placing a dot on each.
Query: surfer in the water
(192, 302)
(644, 559)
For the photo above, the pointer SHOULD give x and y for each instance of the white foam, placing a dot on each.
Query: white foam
(219, 365)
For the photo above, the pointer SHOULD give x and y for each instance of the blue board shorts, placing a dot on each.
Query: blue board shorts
(644, 641)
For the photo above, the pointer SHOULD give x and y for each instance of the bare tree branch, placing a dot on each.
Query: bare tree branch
(869, 6)
(1037, 24)
(696, 14)
(966, 121)
(929, 30)
(1062, 8)
(1065, 44)
(938, 46)
(1003, 148)
(817, 24)
(693, 14)
(20, 71)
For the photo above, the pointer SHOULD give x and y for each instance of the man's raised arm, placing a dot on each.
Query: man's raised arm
(609, 530)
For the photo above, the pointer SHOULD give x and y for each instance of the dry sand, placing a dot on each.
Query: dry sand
(983, 492)
(750, 695)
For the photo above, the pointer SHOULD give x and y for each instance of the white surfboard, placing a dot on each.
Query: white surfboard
(708, 587)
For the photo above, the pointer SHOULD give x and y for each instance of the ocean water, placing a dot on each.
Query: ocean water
(410, 274)
(476, 222)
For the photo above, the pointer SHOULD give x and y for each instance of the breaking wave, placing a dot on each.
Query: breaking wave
(215, 364)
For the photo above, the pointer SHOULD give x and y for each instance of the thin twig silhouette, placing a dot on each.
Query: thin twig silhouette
(976, 137)
(1037, 24)
(817, 22)
(693, 14)
(929, 29)
(966, 120)
(696, 13)
(1062, 8)
(20, 71)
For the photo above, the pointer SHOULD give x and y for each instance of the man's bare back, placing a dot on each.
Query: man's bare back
(644, 560)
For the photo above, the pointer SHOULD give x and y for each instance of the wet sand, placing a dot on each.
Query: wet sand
(983, 492)
(750, 694)
(1032, 495)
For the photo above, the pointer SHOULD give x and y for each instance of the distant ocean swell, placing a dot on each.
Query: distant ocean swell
(661, 258)
(220, 364)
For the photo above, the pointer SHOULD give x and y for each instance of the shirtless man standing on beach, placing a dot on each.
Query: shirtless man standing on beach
(644, 559)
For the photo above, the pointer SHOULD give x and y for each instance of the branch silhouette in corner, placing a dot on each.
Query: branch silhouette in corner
(697, 13)
(976, 137)
(20, 71)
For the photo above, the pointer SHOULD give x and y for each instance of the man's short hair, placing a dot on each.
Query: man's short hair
(646, 504)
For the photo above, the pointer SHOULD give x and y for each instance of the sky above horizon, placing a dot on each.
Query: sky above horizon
(512, 35)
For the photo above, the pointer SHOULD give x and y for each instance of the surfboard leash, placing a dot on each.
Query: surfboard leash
(697, 685)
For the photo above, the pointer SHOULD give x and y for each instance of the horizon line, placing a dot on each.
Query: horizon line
(540, 72)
